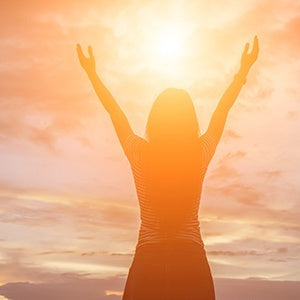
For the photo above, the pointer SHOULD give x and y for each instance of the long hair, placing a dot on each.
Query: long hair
(172, 131)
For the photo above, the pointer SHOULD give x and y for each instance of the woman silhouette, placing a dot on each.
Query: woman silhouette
(168, 168)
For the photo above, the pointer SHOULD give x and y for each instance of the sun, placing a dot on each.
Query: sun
(166, 47)
(170, 44)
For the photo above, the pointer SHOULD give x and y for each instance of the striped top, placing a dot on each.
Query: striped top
(169, 188)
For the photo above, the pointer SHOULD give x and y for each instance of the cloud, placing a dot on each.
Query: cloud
(285, 40)
(223, 172)
(233, 156)
(270, 174)
(230, 134)
(70, 287)
(238, 192)
(56, 252)
(281, 250)
(83, 213)
(235, 253)
(122, 254)
(258, 289)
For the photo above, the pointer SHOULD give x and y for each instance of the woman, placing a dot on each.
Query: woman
(168, 168)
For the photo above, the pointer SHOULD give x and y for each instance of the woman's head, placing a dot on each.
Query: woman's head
(172, 118)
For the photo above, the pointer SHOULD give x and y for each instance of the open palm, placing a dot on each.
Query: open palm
(248, 60)
(88, 63)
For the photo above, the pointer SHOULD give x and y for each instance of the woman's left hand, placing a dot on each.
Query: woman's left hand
(88, 63)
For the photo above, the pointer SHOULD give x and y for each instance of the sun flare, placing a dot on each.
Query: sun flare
(170, 44)
(167, 47)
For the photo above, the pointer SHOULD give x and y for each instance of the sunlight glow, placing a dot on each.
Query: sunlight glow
(113, 293)
(170, 43)
(221, 239)
(84, 267)
(166, 47)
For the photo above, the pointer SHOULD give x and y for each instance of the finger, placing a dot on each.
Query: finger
(255, 46)
(254, 51)
(90, 50)
(246, 48)
(79, 51)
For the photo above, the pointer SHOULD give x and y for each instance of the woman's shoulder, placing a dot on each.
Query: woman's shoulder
(134, 145)
(134, 139)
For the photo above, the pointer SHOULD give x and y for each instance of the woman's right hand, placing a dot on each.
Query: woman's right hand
(88, 63)
(248, 60)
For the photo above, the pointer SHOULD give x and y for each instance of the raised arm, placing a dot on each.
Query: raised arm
(218, 119)
(118, 117)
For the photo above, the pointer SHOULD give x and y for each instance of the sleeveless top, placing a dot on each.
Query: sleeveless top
(184, 190)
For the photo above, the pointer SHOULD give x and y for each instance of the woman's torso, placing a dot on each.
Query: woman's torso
(168, 185)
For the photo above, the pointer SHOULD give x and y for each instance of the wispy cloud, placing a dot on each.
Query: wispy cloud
(72, 287)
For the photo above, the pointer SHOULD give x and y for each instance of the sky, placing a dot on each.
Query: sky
(69, 214)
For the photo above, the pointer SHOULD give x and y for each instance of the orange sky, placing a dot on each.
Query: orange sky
(67, 198)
